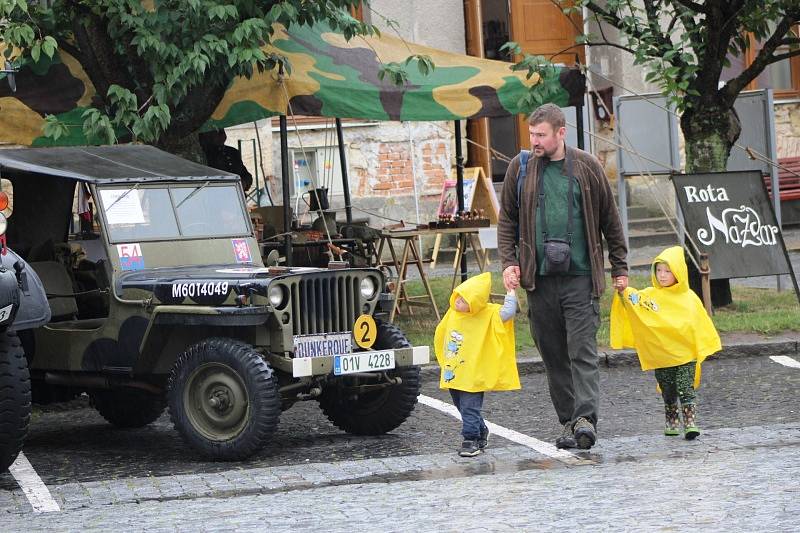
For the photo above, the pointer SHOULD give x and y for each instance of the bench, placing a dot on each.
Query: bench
(788, 182)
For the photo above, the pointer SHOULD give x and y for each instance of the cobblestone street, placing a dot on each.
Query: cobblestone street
(737, 476)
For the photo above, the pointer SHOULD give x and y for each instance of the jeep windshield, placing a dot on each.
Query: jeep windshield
(166, 212)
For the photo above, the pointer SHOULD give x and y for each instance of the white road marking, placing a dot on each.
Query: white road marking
(33, 486)
(785, 360)
(509, 434)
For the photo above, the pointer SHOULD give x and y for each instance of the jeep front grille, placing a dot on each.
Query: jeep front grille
(325, 304)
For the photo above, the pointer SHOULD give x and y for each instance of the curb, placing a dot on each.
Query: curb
(622, 358)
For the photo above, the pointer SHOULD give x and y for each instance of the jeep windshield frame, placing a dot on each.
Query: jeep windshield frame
(151, 212)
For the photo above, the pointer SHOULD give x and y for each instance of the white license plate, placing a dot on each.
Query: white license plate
(363, 362)
(323, 345)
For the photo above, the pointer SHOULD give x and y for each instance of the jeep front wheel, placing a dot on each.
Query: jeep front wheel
(223, 399)
(128, 408)
(15, 398)
(376, 412)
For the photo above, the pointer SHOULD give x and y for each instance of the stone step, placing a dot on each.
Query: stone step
(638, 238)
(639, 211)
(650, 224)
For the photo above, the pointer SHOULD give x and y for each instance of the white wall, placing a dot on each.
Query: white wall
(435, 23)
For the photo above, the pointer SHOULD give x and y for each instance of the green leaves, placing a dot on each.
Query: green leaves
(396, 73)
(97, 127)
(54, 128)
(165, 59)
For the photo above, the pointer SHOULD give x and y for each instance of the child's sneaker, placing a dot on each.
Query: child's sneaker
(483, 441)
(469, 448)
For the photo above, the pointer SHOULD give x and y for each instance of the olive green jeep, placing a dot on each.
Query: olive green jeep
(159, 297)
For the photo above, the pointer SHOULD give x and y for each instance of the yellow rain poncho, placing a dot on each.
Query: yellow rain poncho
(476, 349)
(668, 326)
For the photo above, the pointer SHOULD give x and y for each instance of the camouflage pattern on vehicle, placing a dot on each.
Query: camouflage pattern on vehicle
(163, 299)
(329, 77)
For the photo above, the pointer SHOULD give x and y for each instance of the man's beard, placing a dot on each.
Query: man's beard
(544, 152)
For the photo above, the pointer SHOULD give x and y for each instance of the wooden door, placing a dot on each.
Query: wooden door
(541, 28)
(477, 129)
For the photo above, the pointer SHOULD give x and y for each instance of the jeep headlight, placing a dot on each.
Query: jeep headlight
(3, 224)
(277, 295)
(368, 288)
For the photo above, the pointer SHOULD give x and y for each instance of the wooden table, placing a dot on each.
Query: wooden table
(411, 256)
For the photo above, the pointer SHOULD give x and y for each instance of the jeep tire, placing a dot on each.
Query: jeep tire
(15, 398)
(376, 412)
(128, 408)
(223, 399)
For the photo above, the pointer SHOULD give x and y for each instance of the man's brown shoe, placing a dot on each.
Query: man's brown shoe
(585, 436)
(567, 439)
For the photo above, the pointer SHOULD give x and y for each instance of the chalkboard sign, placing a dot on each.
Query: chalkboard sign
(728, 216)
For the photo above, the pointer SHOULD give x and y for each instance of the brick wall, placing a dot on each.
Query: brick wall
(396, 168)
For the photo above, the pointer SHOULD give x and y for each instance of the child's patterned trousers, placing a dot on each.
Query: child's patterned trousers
(677, 382)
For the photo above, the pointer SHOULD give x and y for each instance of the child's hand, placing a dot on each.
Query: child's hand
(619, 285)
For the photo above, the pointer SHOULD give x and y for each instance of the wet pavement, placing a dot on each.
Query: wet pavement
(315, 476)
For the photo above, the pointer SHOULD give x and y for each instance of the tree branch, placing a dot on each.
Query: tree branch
(195, 109)
(101, 63)
(765, 57)
(688, 4)
(571, 21)
(655, 28)
(635, 33)
(780, 57)
(600, 43)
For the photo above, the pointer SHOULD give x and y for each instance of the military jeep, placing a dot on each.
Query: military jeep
(159, 297)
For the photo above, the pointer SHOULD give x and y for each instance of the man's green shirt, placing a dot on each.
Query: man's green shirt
(555, 189)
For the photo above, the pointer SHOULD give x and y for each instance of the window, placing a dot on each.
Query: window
(168, 213)
(782, 77)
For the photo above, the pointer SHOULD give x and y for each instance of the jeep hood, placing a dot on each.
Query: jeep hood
(205, 285)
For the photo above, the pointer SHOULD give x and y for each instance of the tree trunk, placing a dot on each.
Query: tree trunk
(187, 146)
(710, 132)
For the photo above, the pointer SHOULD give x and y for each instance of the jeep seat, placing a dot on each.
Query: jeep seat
(56, 280)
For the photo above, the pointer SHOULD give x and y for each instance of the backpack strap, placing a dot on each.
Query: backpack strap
(524, 155)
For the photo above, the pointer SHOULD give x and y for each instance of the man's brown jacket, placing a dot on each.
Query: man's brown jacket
(599, 215)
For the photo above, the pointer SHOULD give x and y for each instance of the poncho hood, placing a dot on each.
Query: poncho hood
(475, 291)
(676, 261)
(668, 326)
(475, 350)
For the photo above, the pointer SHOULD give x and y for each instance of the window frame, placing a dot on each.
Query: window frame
(794, 63)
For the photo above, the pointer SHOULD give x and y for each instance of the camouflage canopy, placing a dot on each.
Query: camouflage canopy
(329, 77)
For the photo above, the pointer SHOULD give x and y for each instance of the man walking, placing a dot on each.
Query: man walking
(556, 201)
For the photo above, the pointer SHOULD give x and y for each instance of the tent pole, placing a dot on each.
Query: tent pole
(287, 202)
(579, 112)
(345, 179)
(462, 237)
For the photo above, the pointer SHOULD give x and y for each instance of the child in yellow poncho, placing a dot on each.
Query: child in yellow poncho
(672, 334)
(474, 345)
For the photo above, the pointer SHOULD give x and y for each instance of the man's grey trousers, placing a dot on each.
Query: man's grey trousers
(564, 319)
